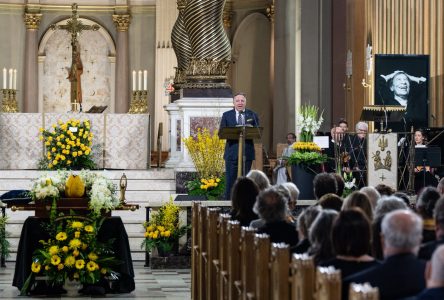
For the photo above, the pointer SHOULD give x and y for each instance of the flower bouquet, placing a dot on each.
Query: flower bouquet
(307, 153)
(68, 145)
(72, 253)
(349, 184)
(207, 153)
(163, 230)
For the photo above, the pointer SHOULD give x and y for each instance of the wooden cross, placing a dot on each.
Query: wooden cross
(75, 27)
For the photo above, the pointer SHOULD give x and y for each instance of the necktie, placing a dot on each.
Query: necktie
(240, 119)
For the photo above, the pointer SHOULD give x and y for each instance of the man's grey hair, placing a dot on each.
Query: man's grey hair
(402, 229)
(240, 94)
(361, 125)
(294, 191)
(259, 178)
(307, 217)
(372, 194)
(437, 262)
(388, 204)
(272, 204)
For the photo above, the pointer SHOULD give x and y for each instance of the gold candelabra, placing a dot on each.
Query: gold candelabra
(9, 102)
(139, 102)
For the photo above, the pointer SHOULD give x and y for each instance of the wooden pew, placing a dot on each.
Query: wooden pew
(202, 252)
(221, 262)
(328, 283)
(233, 232)
(363, 292)
(212, 252)
(194, 251)
(302, 277)
(261, 253)
(280, 268)
(247, 283)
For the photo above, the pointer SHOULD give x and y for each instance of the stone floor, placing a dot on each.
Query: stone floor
(150, 284)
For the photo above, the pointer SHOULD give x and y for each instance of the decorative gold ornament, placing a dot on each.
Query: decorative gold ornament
(270, 12)
(122, 22)
(9, 102)
(139, 103)
(123, 184)
(32, 20)
(208, 68)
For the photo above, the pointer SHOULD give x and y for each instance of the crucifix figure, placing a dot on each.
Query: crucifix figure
(74, 26)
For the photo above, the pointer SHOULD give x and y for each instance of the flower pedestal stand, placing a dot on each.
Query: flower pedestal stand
(303, 178)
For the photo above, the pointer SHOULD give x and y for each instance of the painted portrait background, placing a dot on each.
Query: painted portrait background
(417, 67)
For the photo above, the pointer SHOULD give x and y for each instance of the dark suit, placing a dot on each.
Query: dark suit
(432, 294)
(399, 276)
(281, 232)
(427, 249)
(232, 147)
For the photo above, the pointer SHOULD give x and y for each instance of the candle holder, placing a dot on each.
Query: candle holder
(139, 102)
(9, 101)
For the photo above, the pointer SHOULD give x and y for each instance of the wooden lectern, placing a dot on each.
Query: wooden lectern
(382, 113)
(241, 133)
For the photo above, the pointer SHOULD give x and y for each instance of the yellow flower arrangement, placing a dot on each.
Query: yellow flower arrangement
(306, 146)
(69, 145)
(163, 230)
(207, 151)
(63, 256)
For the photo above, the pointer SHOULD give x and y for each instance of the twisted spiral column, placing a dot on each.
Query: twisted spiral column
(211, 50)
(181, 45)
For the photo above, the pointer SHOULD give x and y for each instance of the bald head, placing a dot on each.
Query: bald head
(401, 232)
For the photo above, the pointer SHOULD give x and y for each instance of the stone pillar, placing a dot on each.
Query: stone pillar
(30, 75)
(122, 22)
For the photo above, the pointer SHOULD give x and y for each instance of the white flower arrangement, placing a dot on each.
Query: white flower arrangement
(100, 189)
(308, 122)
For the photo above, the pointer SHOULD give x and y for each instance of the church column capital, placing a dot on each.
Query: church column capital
(32, 20)
(270, 12)
(122, 22)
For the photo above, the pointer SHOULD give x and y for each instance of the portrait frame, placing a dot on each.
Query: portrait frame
(417, 69)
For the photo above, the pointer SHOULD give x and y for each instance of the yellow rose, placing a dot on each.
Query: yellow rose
(53, 149)
(75, 243)
(70, 261)
(47, 143)
(50, 166)
(150, 228)
(76, 253)
(35, 267)
(53, 250)
(80, 264)
(87, 152)
(41, 129)
(79, 152)
(167, 233)
(41, 137)
(92, 256)
(89, 228)
(65, 249)
(61, 236)
(68, 162)
(60, 267)
(103, 271)
(55, 260)
(47, 267)
(77, 234)
(74, 154)
(54, 162)
(77, 225)
(91, 266)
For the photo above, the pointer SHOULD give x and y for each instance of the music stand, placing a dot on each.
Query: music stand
(381, 113)
(240, 133)
(427, 156)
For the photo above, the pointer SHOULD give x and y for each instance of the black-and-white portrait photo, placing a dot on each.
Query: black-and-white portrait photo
(403, 80)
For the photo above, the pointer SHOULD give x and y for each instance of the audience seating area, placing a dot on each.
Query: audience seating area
(234, 262)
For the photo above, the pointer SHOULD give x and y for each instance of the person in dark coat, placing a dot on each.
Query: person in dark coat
(426, 250)
(239, 115)
(401, 274)
(434, 277)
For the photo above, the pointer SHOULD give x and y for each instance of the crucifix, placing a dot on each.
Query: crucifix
(74, 26)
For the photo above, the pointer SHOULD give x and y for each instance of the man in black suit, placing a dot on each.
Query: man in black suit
(426, 250)
(435, 277)
(237, 117)
(401, 274)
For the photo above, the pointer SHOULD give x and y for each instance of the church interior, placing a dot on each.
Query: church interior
(202, 112)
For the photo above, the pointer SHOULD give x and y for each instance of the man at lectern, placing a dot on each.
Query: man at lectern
(237, 117)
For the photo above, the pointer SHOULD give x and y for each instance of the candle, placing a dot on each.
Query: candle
(140, 80)
(10, 79)
(4, 78)
(145, 80)
(134, 80)
(14, 82)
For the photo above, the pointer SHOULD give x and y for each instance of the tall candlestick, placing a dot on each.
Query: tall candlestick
(14, 82)
(134, 80)
(10, 79)
(4, 78)
(145, 80)
(140, 80)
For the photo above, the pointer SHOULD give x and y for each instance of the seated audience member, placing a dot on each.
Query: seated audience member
(272, 207)
(331, 201)
(320, 236)
(304, 222)
(341, 184)
(259, 178)
(351, 236)
(440, 186)
(280, 174)
(384, 190)
(434, 277)
(404, 197)
(243, 197)
(401, 274)
(324, 183)
(425, 204)
(426, 250)
(294, 195)
(372, 194)
(384, 206)
(358, 199)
